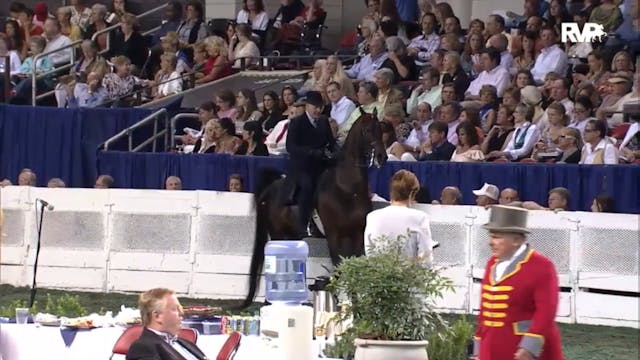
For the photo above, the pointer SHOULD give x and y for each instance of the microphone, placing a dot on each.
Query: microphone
(46, 204)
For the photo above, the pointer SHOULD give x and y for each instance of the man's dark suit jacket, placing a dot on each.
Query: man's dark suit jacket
(150, 346)
(305, 142)
(440, 153)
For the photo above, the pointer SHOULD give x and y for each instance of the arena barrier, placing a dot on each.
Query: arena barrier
(200, 243)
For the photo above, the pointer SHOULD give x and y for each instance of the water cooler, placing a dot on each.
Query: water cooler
(287, 322)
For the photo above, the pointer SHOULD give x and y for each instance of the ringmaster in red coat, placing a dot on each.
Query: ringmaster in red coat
(519, 296)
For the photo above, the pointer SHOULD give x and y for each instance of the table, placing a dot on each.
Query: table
(31, 342)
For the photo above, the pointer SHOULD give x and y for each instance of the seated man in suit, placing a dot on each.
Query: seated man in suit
(161, 314)
(310, 143)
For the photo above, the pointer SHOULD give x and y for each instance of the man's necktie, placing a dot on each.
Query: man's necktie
(170, 339)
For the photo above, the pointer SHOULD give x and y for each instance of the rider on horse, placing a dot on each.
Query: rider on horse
(310, 144)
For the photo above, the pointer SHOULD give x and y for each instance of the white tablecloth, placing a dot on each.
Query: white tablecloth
(29, 342)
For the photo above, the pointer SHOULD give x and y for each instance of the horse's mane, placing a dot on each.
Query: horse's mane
(352, 146)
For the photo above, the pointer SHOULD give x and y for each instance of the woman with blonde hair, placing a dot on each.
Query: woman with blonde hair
(207, 143)
(622, 63)
(334, 71)
(399, 220)
(316, 78)
(218, 65)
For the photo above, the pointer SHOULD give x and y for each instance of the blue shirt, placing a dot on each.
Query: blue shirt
(408, 10)
(82, 97)
(366, 67)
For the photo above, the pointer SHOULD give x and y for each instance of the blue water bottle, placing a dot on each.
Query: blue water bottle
(285, 271)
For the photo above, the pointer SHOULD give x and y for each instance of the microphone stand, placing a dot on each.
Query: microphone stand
(32, 296)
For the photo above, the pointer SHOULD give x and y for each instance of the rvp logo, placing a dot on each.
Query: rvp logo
(590, 33)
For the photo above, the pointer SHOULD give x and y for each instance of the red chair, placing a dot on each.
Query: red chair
(230, 346)
(528, 160)
(501, 160)
(131, 334)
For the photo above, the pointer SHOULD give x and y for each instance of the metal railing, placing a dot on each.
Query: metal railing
(172, 127)
(35, 77)
(116, 26)
(161, 114)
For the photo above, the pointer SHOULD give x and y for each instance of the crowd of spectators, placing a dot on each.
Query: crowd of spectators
(505, 89)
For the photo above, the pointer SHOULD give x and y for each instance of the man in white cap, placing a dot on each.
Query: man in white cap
(487, 195)
(519, 296)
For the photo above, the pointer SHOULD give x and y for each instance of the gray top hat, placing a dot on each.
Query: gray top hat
(507, 219)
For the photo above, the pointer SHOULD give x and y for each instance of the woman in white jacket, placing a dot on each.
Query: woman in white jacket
(400, 220)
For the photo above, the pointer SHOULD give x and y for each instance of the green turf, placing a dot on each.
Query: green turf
(580, 342)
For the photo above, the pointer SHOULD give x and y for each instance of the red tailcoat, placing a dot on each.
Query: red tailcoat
(518, 310)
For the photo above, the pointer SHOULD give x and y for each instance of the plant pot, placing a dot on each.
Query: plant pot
(387, 349)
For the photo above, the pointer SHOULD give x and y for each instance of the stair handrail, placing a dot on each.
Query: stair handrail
(162, 113)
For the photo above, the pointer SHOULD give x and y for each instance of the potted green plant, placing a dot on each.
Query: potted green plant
(390, 303)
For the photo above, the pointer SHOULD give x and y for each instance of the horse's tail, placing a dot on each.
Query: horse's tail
(266, 177)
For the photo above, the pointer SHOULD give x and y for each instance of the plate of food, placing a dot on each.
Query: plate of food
(46, 319)
(201, 311)
(78, 323)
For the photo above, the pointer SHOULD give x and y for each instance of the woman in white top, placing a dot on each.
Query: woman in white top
(468, 149)
(168, 79)
(253, 13)
(400, 220)
(14, 58)
(242, 46)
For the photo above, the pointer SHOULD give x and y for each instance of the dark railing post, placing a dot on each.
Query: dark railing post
(6, 78)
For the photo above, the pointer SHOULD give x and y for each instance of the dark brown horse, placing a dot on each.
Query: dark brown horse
(342, 200)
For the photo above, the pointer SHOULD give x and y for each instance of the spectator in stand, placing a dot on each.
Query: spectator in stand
(242, 46)
(364, 69)
(550, 136)
(341, 106)
(525, 137)
(450, 115)
(569, 147)
(15, 39)
(367, 29)
(559, 93)
(173, 183)
(193, 28)
(86, 93)
(487, 195)
(488, 105)
(288, 97)
(118, 9)
(40, 13)
(450, 195)
(120, 82)
(507, 196)
(614, 102)
(168, 80)
(67, 28)
(428, 91)
(607, 14)
(551, 58)
(418, 138)
(511, 97)
(367, 98)
(14, 59)
(557, 14)
(468, 149)
(236, 183)
(498, 137)
(104, 182)
(582, 113)
(313, 83)
(387, 94)
(170, 24)
(532, 96)
(169, 44)
(388, 135)
(471, 55)
(226, 140)
(56, 183)
(90, 61)
(438, 148)
(55, 41)
(399, 61)
(80, 14)
(43, 65)
(495, 25)
(253, 137)
(226, 102)
(452, 27)
(27, 177)
(473, 117)
(271, 112)
(449, 42)
(622, 64)
(448, 93)
(253, 13)
(98, 23)
(499, 41)
(206, 112)
(25, 19)
(442, 11)
(206, 144)
(523, 78)
(598, 74)
(247, 106)
(15, 8)
(129, 42)
(527, 54)
(603, 203)
(217, 65)
(276, 141)
(492, 74)
(424, 45)
(373, 9)
(453, 72)
(598, 148)
(334, 71)
(559, 199)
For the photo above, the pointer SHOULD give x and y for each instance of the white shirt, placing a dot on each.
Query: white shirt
(278, 147)
(452, 136)
(610, 155)
(249, 51)
(580, 125)
(171, 84)
(633, 129)
(342, 109)
(543, 122)
(498, 77)
(394, 221)
(260, 22)
(433, 97)
(416, 138)
(551, 59)
(60, 57)
(502, 266)
(506, 59)
(531, 136)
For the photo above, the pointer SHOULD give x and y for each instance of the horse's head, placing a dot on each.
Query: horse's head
(373, 148)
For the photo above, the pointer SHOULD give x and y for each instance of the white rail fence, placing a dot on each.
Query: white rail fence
(200, 243)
